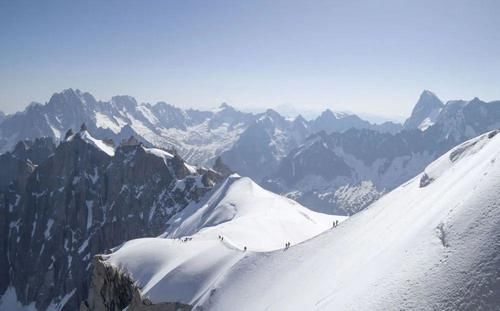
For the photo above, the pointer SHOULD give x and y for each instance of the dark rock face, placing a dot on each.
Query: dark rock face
(221, 167)
(18, 164)
(57, 214)
(112, 289)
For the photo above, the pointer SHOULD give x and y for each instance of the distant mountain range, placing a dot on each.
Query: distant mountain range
(198, 136)
(81, 176)
(343, 172)
(355, 161)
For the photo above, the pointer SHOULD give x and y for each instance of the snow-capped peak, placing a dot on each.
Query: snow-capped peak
(85, 136)
(425, 112)
(250, 216)
(206, 239)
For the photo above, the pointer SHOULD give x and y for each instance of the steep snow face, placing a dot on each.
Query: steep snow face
(159, 153)
(433, 246)
(206, 239)
(108, 149)
(99, 144)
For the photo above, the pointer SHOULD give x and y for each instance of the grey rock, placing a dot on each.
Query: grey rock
(78, 202)
(112, 289)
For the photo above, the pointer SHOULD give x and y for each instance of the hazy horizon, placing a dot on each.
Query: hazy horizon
(364, 57)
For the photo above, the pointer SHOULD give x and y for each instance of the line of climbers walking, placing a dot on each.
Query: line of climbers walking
(222, 239)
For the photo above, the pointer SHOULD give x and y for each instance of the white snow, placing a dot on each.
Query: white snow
(104, 121)
(57, 133)
(109, 150)
(425, 124)
(434, 247)
(190, 168)
(90, 205)
(159, 153)
(414, 248)
(84, 246)
(50, 222)
(189, 258)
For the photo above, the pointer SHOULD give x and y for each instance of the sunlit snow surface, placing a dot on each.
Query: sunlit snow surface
(425, 246)
(243, 214)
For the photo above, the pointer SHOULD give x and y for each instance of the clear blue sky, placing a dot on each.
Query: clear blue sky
(362, 56)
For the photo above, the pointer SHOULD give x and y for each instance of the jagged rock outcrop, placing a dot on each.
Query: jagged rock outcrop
(221, 167)
(111, 289)
(81, 200)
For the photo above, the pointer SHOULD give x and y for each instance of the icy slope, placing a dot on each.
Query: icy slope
(431, 245)
(190, 258)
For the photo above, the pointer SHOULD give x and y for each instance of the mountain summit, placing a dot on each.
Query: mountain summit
(425, 112)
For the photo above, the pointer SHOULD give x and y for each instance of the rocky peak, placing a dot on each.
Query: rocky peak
(80, 202)
(221, 167)
(425, 112)
(229, 115)
(170, 115)
(71, 97)
(124, 102)
(226, 106)
(83, 127)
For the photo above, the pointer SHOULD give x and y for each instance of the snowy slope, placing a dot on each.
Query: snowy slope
(171, 268)
(433, 244)
(431, 247)
(99, 144)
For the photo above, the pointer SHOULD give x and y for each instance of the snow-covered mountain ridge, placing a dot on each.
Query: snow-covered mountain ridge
(206, 239)
(433, 243)
(198, 136)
